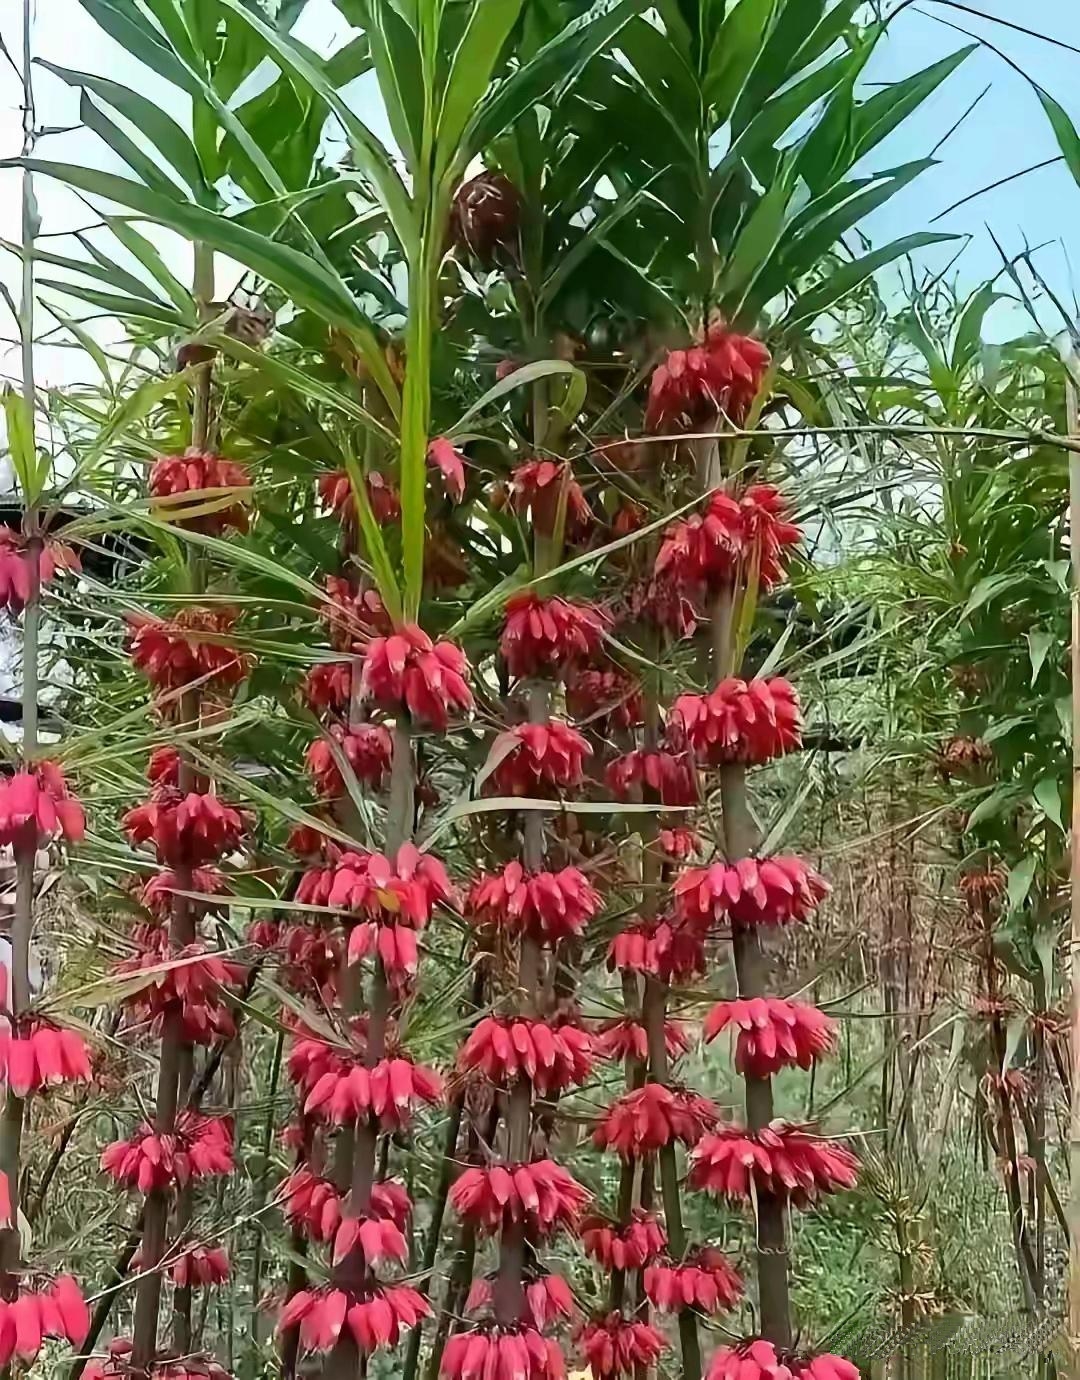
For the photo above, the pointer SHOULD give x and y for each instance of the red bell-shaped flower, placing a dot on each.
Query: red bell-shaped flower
(786, 1161)
(407, 671)
(519, 1353)
(186, 829)
(627, 1247)
(548, 905)
(752, 891)
(367, 748)
(651, 1117)
(541, 1193)
(760, 1360)
(443, 456)
(185, 485)
(615, 1346)
(773, 1033)
(603, 700)
(751, 722)
(534, 759)
(544, 635)
(552, 1056)
(194, 646)
(36, 806)
(695, 387)
(667, 775)
(375, 1318)
(703, 1280)
(537, 489)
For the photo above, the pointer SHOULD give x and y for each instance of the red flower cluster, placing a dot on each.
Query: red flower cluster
(157, 894)
(28, 1318)
(751, 722)
(117, 1366)
(773, 1033)
(706, 552)
(545, 635)
(36, 1054)
(200, 1146)
(201, 1265)
(450, 463)
(500, 1354)
(398, 896)
(335, 490)
(626, 1247)
(615, 1346)
(605, 700)
(328, 686)
(760, 1360)
(192, 979)
(185, 830)
(367, 749)
(667, 948)
(316, 1205)
(668, 775)
(541, 1193)
(548, 905)
(695, 387)
(536, 758)
(407, 671)
(36, 805)
(539, 486)
(752, 891)
(389, 1092)
(378, 1238)
(352, 615)
(785, 1161)
(547, 1300)
(15, 566)
(703, 1280)
(552, 1057)
(375, 1318)
(651, 1117)
(679, 843)
(627, 1039)
(188, 481)
(174, 653)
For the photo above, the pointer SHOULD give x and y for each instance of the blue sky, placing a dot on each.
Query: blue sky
(1007, 133)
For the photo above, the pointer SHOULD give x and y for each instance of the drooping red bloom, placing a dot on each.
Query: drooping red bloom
(545, 635)
(317, 1206)
(367, 748)
(117, 1366)
(186, 829)
(539, 758)
(375, 1318)
(651, 1117)
(335, 490)
(751, 722)
(668, 775)
(175, 652)
(707, 552)
(485, 217)
(36, 1054)
(191, 979)
(26, 1320)
(548, 1300)
(352, 615)
(15, 566)
(627, 1247)
(310, 956)
(541, 1193)
(693, 388)
(669, 948)
(328, 686)
(537, 489)
(200, 1146)
(502, 1354)
(408, 671)
(679, 842)
(604, 700)
(397, 897)
(703, 1280)
(786, 1161)
(389, 1092)
(36, 806)
(548, 905)
(157, 894)
(626, 1039)
(773, 1033)
(553, 1057)
(615, 1346)
(379, 1239)
(181, 483)
(451, 465)
(199, 1266)
(752, 891)
(760, 1360)
(163, 769)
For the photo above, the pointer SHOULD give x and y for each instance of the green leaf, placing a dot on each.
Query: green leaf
(967, 339)
(373, 157)
(1064, 131)
(1039, 644)
(520, 378)
(818, 300)
(1044, 941)
(1047, 796)
(143, 250)
(141, 163)
(990, 587)
(21, 443)
(1020, 878)
(148, 117)
(995, 802)
(88, 268)
(127, 308)
(381, 565)
(489, 24)
(593, 235)
(396, 55)
(738, 42)
(137, 36)
(879, 116)
(778, 57)
(85, 340)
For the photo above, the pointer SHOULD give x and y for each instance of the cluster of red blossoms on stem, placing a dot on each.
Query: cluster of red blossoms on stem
(616, 1346)
(720, 378)
(407, 670)
(708, 552)
(752, 722)
(542, 1194)
(185, 829)
(36, 1055)
(772, 1033)
(752, 891)
(546, 635)
(534, 759)
(547, 905)
(539, 488)
(547, 1300)
(16, 566)
(703, 1280)
(368, 749)
(782, 1160)
(149, 1161)
(651, 1117)
(200, 491)
(760, 1360)
(29, 1318)
(375, 1318)
(117, 1366)
(36, 806)
(553, 1057)
(521, 1353)
(625, 1247)
(176, 652)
